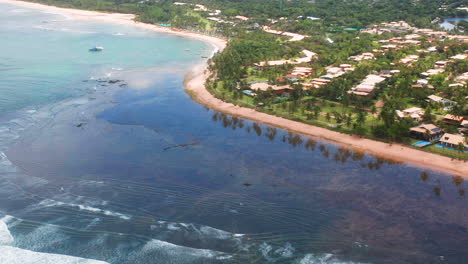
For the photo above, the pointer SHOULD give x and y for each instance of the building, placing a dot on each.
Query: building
(459, 57)
(453, 119)
(441, 100)
(428, 132)
(453, 141)
(409, 59)
(264, 86)
(366, 87)
(431, 72)
(414, 113)
(302, 71)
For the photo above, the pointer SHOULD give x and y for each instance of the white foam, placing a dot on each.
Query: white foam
(12, 255)
(181, 251)
(323, 259)
(19, 11)
(265, 250)
(51, 203)
(5, 236)
(4, 159)
(172, 226)
(286, 251)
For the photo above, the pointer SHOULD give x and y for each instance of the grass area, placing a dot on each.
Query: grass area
(208, 23)
(255, 78)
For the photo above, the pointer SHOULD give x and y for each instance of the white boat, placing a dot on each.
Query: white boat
(96, 48)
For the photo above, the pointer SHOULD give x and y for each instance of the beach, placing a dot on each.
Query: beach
(196, 85)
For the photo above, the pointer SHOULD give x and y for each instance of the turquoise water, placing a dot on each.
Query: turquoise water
(136, 172)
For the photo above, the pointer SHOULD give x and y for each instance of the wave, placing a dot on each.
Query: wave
(5, 236)
(323, 259)
(178, 254)
(52, 203)
(13, 255)
(62, 29)
(19, 11)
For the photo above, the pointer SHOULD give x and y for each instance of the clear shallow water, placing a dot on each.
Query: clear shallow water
(142, 174)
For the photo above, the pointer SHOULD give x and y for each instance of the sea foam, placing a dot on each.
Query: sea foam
(13, 255)
(5, 236)
(323, 259)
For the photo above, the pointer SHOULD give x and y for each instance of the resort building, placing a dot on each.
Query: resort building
(453, 141)
(428, 132)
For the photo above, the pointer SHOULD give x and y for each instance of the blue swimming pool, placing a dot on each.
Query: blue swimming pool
(421, 144)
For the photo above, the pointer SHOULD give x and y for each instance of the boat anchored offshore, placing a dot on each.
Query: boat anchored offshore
(96, 48)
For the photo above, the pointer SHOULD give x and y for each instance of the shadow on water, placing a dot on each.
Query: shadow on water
(341, 155)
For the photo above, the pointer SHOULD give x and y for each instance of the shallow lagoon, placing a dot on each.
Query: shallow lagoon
(142, 174)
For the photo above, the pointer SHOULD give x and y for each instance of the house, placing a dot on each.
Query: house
(409, 59)
(264, 86)
(462, 78)
(243, 18)
(414, 113)
(428, 132)
(291, 78)
(453, 119)
(456, 85)
(422, 82)
(362, 57)
(453, 141)
(464, 123)
(366, 87)
(431, 72)
(390, 47)
(441, 100)
(302, 71)
(459, 57)
(441, 64)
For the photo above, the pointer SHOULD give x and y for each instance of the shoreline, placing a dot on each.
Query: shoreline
(196, 85)
(395, 152)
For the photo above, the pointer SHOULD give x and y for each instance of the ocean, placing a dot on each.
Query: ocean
(105, 159)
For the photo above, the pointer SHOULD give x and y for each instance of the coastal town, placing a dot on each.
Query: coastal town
(234, 131)
(394, 81)
(429, 67)
(390, 81)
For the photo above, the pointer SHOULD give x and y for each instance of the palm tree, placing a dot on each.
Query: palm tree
(461, 148)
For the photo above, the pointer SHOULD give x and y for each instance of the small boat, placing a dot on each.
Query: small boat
(96, 48)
